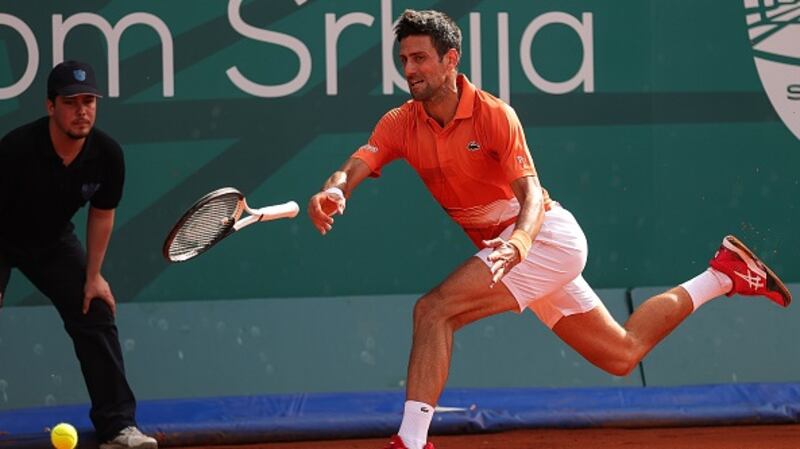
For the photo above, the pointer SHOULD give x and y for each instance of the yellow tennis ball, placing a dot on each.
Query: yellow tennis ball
(64, 436)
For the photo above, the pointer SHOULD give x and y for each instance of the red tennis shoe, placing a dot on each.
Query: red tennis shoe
(397, 443)
(750, 275)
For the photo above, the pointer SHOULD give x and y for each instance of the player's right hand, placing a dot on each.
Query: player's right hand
(321, 208)
(503, 258)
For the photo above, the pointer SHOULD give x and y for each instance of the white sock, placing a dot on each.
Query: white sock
(706, 286)
(417, 418)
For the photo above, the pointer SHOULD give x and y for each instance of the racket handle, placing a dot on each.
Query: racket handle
(285, 210)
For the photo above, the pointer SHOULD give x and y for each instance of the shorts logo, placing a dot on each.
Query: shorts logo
(80, 75)
(473, 146)
(89, 189)
(774, 30)
(370, 148)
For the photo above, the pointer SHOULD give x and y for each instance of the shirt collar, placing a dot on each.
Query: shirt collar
(467, 101)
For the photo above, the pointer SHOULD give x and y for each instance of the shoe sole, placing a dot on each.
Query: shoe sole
(773, 281)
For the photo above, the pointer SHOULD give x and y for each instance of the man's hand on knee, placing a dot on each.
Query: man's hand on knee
(97, 288)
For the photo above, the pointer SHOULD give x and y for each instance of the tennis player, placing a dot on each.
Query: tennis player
(470, 151)
(56, 165)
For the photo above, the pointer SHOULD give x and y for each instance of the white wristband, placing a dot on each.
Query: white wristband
(335, 191)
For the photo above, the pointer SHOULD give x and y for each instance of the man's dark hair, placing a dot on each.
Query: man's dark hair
(443, 31)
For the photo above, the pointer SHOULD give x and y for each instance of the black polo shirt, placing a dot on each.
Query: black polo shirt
(39, 195)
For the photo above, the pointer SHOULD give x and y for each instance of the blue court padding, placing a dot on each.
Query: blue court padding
(248, 419)
(728, 340)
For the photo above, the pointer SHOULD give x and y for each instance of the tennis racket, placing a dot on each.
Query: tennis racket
(214, 217)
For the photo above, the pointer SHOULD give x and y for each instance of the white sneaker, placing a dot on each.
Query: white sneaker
(131, 438)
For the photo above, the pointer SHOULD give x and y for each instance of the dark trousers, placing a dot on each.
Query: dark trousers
(59, 272)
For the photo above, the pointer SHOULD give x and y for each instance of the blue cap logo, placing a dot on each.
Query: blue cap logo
(79, 74)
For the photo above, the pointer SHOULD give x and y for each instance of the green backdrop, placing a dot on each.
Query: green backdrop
(676, 146)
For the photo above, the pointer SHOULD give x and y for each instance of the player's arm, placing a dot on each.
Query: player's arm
(382, 147)
(99, 225)
(517, 165)
(528, 191)
(332, 199)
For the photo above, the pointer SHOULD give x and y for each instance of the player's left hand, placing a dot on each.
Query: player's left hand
(504, 257)
(96, 287)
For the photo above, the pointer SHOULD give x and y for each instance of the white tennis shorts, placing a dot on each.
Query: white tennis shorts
(549, 281)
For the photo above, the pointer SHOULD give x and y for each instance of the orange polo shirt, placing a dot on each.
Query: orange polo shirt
(468, 165)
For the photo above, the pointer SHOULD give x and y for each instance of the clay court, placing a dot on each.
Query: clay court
(739, 437)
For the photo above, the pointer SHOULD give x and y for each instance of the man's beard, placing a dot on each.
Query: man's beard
(76, 136)
(422, 95)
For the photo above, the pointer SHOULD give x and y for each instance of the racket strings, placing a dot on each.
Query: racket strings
(205, 226)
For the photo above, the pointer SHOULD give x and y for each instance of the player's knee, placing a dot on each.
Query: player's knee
(426, 307)
(623, 362)
(99, 315)
(621, 368)
(431, 309)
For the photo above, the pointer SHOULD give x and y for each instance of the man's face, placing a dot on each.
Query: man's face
(424, 70)
(74, 116)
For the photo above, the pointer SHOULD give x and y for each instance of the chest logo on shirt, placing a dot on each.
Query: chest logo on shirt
(89, 189)
(473, 146)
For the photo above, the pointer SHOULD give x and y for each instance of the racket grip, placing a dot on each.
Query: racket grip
(285, 210)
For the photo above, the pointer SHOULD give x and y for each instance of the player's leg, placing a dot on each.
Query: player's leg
(60, 274)
(618, 349)
(557, 256)
(464, 297)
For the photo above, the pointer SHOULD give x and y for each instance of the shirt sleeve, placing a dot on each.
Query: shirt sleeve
(110, 192)
(510, 145)
(386, 142)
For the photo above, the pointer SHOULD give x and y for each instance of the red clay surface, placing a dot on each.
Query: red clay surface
(739, 437)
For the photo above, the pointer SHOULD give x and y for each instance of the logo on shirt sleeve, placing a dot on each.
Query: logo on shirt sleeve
(473, 146)
(370, 148)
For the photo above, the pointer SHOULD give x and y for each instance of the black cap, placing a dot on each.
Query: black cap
(71, 78)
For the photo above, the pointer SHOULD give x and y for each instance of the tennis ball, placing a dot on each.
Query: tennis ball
(64, 436)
